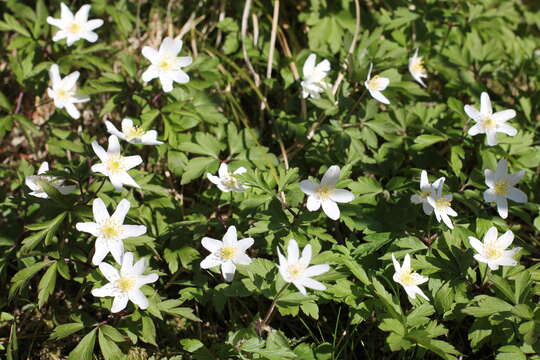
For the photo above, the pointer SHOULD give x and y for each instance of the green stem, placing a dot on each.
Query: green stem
(261, 325)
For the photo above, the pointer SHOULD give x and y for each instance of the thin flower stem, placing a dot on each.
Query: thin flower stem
(488, 270)
(261, 324)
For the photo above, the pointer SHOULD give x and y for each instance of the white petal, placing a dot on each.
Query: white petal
(147, 279)
(292, 251)
(72, 110)
(121, 210)
(489, 195)
(490, 178)
(90, 36)
(309, 65)
(507, 129)
(306, 255)
(65, 13)
(428, 209)
(424, 181)
(517, 195)
(313, 284)
(101, 250)
(514, 178)
(137, 297)
(313, 203)
(323, 66)
(506, 239)
(316, 270)
(100, 152)
(491, 235)
(308, 187)
(503, 116)
(476, 244)
(241, 170)
(502, 206)
(119, 303)
(114, 146)
(230, 236)
(183, 61)
(151, 54)
(116, 248)
(89, 227)
(377, 95)
(228, 269)
(106, 290)
(485, 104)
(331, 209)
(99, 210)
(126, 179)
(447, 221)
(300, 287)
(210, 261)
(93, 24)
(151, 73)
(476, 129)
(491, 138)
(243, 259)
(245, 244)
(416, 199)
(472, 113)
(331, 176)
(139, 266)
(179, 76)
(109, 272)
(166, 82)
(127, 263)
(502, 169)
(223, 170)
(342, 196)
(397, 266)
(211, 245)
(170, 46)
(133, 230)
(82, 15)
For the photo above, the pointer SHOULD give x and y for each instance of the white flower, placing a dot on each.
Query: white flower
(114, 165)
(441, 203)
(64, 91)
(408, 279)
(490, 123)
(36, 182)
(133, 134)
(313, 84)
(426, 188)
(501, 186)
(493, 251)
(110, 230)
(227, 253)
(296, 270)
(375, 85)
(73, 28)
(417, 69)
(125, 284)
(226, 181)
(326, 193)
(165, 64)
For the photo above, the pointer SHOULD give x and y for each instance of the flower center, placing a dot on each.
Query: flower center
(133, 132)
(115, 164)
(489, 123)
(296, 270)
(375, 83)
(111, 229)
(493, 252)
(425, 195)
(417, 67)
(407, 278)
(74, 28)
(125, 283)
(501, 187)
(227, 252)
(42, 181)
(443, 203)
(324, 192)
(230, 182)
(166, 64)
(63, 95)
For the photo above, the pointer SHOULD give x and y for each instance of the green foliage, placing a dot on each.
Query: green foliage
(231, 111)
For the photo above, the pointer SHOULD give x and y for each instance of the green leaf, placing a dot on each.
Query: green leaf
(64, 330)
(46, 285)
(85, 349)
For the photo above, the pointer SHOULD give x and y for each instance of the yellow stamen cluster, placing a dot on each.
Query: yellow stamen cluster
(111, 229)
(166, 64)
(230, 182)
(74, 27)
(125, 283)
(501, 187)
(408, 278)
(115, 164)
(489, 123)
(493, 252)
(227, 252)
(133, 132)
(375, 83)
(443, 203)
(324, 192)
(417, 67)
(295, 270)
